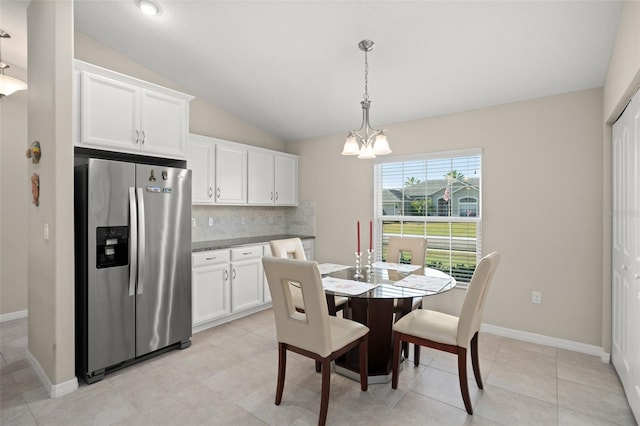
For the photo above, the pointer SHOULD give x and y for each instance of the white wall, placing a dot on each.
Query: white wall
(51, 274)
(15, 190)
(623, 80)
(542, 204)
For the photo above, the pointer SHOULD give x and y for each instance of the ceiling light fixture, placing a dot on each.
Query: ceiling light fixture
(149, 7)
(366, 142)
(8, 85)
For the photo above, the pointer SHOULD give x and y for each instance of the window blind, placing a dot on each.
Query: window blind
(434, 196)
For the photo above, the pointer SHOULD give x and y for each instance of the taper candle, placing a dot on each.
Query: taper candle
(358, 235)
(370, 234)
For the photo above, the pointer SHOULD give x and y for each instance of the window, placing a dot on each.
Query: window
(437, 196)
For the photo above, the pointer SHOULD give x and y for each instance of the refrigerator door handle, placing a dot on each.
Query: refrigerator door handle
(141, 240)
(133, 241)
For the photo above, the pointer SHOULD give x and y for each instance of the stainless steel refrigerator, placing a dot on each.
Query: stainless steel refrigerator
(133, 263)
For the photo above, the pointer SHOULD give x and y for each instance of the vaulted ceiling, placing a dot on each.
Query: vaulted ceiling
(294, 69)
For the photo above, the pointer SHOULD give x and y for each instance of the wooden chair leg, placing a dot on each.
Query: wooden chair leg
(282, 365)
(364, 367)
(416, 354)
(318, 367)
(324, 396)
(462, 376)
(395, 361)
(475, 361)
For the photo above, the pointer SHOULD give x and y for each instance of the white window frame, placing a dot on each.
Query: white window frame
(379, 218)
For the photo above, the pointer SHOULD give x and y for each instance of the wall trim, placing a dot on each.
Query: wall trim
(13, 316)
(54, 391)
(547, 341)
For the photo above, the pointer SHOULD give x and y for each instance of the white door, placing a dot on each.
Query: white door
(109, 113)
(163, 125)
(260, 177)
(231, 172)
(286, 180)
(246, 284)
(210, 293)
(626, 252)
(200, 160)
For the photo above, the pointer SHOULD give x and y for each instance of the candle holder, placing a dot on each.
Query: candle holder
(358, 274)
(370, 264)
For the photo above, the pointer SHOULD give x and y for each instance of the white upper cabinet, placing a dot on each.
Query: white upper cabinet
(272, 178)
(260, 177)
(200, 160)
(231, 174)
(226, 172)
(119, 113)
(286, 180)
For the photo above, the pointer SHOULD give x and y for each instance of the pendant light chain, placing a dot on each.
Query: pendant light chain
(366, 77)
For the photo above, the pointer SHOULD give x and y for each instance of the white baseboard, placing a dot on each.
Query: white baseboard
(54, 391)
(547, 341)
(13, 316)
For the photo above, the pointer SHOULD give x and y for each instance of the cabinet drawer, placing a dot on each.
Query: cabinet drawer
(246, 252)
(212, 257)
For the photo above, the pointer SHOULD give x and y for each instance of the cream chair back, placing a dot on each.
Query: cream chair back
(289, 248)
(471, 313)
(309, 330)
(416, 245)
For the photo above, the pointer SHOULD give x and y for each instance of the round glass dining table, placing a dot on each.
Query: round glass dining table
(388, 295)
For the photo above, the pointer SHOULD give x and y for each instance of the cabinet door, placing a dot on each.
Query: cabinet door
(286, 180)
(210, 292)
(200, 160)
(231, 174)
(163, 125)
(260, 177)
(246, 284)
(109, 113)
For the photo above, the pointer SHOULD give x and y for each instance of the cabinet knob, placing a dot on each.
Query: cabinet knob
(226, 274)
(210, 192)
(271, 196)
(218, 193)
(276, 195)
(143, 137)
(137, 136)
(234, 273)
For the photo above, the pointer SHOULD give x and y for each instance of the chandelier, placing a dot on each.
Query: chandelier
(366, 142)
(8, 85)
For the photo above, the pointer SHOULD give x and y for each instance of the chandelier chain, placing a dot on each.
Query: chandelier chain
(366, 77)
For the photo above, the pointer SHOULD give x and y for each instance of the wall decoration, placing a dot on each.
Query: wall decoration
(35, 189)
(34, 152)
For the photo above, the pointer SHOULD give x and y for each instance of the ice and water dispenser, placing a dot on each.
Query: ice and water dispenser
(112, 246)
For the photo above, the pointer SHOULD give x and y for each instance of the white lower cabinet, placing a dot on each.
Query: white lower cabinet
(246, 278)
(228, 284)
(211, 295)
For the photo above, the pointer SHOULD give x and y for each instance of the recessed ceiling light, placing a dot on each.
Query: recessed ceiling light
(149, 7)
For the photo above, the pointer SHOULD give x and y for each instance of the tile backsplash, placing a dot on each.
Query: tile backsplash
(251, 221)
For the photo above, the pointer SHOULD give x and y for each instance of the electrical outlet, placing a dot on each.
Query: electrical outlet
(193, 222)
(210, 221)
(536, 297)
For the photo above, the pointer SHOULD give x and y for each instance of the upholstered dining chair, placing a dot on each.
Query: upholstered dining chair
(449, 333)
(292, 248)
(416, 247)
(312, 333)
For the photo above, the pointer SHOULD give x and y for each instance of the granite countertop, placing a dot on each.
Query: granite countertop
(235, 242)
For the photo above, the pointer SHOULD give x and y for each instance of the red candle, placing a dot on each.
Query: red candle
(358, 235)
(371, 235)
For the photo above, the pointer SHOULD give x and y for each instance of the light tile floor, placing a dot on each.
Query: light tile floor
(228, 376)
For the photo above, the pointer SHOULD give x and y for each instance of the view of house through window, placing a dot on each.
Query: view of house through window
(437, 197)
